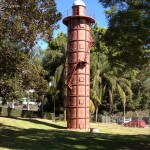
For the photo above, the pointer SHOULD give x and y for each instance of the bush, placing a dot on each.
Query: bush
(47, 115)
(104, 119)
(9, 112)
(92, 117)
(61, 116)
(3, 111)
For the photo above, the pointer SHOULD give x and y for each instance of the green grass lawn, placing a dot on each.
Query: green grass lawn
(38, 134)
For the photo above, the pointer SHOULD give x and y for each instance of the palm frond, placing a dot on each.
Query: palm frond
(127, 89)
(92, 107)
(110, 80)
(58, 73)
(126, 81)
(121, 93)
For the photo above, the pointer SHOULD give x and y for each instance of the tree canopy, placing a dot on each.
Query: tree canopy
(120, 64)
(128, 31)
(22, 23)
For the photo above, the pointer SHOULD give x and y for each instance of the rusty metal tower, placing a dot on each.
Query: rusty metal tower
(78, 78)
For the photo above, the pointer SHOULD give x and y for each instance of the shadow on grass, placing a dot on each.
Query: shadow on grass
(37, 139)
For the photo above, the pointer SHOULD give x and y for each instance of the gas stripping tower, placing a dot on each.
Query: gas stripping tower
(78, 77)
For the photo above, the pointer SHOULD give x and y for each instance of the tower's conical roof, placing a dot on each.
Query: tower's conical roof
(78, 2)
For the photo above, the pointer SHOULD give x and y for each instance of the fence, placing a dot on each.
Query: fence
(127, 121)
(69, 12)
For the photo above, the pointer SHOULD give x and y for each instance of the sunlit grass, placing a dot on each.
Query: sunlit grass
(27, 123)
(118, 129)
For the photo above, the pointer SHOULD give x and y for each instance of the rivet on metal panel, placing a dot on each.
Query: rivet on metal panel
(81, 46)
(81, 79)
(81, 101)
(81, 126)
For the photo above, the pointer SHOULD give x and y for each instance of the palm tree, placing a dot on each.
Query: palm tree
(54, 80)
(55, 62)
(106, 80)
(109, 83)
(97, 90)
(118, 85)
(124, 90)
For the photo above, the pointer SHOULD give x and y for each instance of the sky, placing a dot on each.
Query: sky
(92, 7)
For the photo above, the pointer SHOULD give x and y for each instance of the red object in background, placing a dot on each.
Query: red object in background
(136, 123)
(78, 77)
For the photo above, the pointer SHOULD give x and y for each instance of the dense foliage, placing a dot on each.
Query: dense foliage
(22, 23)
(127, 39)
(54, 62)
(120, 59)
(128, 31)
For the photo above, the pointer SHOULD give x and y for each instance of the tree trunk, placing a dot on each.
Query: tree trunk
(28, 107)
(124, 111)
(54, 109)
(65, 104)
(65, 114)
(96, 117)
(42, 108)
(96, 111)
(111, 102)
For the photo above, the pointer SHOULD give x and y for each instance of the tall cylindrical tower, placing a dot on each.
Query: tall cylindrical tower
(78, 78)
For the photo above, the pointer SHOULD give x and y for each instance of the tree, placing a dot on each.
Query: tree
(141, 88)
(22, 23)
(128, 31)
(98, 66)
(127, 40)
(55, 54)
(55, 62)
(107, 81)
(124, 90)
(54, 80)
(105, 78)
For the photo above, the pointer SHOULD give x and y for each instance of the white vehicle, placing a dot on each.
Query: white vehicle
(124, 120)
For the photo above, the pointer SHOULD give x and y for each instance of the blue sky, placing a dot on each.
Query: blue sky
(91, 5)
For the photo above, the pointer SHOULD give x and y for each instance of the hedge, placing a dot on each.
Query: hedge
(9, 112)
(47, 115)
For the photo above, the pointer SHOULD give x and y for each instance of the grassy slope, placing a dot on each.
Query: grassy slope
(18, 134)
